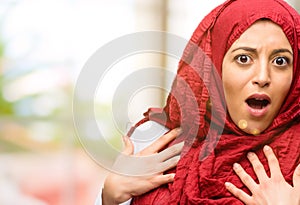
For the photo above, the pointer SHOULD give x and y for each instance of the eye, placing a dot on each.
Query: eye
(281, 61)
(243, 59)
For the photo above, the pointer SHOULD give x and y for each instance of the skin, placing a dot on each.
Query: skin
(273, 190)
(130, 186)
(259, 62)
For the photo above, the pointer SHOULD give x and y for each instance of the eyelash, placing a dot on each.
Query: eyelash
(287, 61)
(238, 60)
(249, 59)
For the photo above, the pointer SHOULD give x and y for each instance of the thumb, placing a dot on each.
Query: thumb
(296, 178)
(128, 149)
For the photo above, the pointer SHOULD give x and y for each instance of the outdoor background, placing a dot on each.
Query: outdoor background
(43, 46)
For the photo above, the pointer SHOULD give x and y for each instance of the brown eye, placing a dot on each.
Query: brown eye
(281, 61)
(243, 59)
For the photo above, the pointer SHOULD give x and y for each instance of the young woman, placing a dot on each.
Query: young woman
(236, 98)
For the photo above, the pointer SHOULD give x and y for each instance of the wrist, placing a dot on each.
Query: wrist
(106, 199)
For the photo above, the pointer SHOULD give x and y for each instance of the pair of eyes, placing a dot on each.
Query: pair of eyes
(278, 61)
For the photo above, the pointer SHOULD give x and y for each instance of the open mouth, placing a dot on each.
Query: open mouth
(257, 103)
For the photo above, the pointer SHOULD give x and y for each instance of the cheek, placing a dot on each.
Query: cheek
(228, 88)
(231, 84)
(283, 88)
(283, 84)
(226, 79)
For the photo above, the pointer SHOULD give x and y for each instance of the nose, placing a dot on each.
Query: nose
(262, 75)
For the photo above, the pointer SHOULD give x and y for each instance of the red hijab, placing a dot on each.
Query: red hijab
(196, 103)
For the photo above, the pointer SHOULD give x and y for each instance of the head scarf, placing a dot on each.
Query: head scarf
(196, 103)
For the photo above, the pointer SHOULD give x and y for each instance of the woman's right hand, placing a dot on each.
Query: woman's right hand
(118, 188)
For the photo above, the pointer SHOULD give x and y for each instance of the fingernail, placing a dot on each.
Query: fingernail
(178, 130)
(236, 165)
(125, 138)
(227, 184)
(266, 148)
(171, 177)
(250, 154)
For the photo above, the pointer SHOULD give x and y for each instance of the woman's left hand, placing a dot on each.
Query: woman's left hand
(273, 190)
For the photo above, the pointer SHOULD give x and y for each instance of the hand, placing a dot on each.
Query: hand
(119, 188)
(273, 190)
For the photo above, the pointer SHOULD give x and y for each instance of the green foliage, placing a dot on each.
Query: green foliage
(2, 49)
(6, 108)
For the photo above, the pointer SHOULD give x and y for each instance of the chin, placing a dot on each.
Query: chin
(255, 130)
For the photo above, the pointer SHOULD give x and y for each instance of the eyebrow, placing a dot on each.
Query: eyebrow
(281, 50)
(252, 50)
(274, 52)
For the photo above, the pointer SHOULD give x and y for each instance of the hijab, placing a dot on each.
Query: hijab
(196, 103)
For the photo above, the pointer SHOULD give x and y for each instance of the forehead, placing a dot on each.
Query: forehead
(263, 33)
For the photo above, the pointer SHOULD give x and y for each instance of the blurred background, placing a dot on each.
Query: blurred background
(43, 46)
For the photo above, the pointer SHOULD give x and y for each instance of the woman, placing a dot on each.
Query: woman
(253, 46)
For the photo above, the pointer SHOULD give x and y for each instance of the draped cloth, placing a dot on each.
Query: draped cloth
(196, 103)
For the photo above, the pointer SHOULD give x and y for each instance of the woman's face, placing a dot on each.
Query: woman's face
(257, 73)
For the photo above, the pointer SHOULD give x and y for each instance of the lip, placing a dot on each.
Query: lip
(258, 112)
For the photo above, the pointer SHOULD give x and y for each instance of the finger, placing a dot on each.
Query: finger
(240, 194)
(296, 178)
(168, 164)
(162, 179)
(245, 178)
(257, 167)
(170, 151)
(273, 163)
(161, 142)
(129, 147)
(147, 184)
(150, 165)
